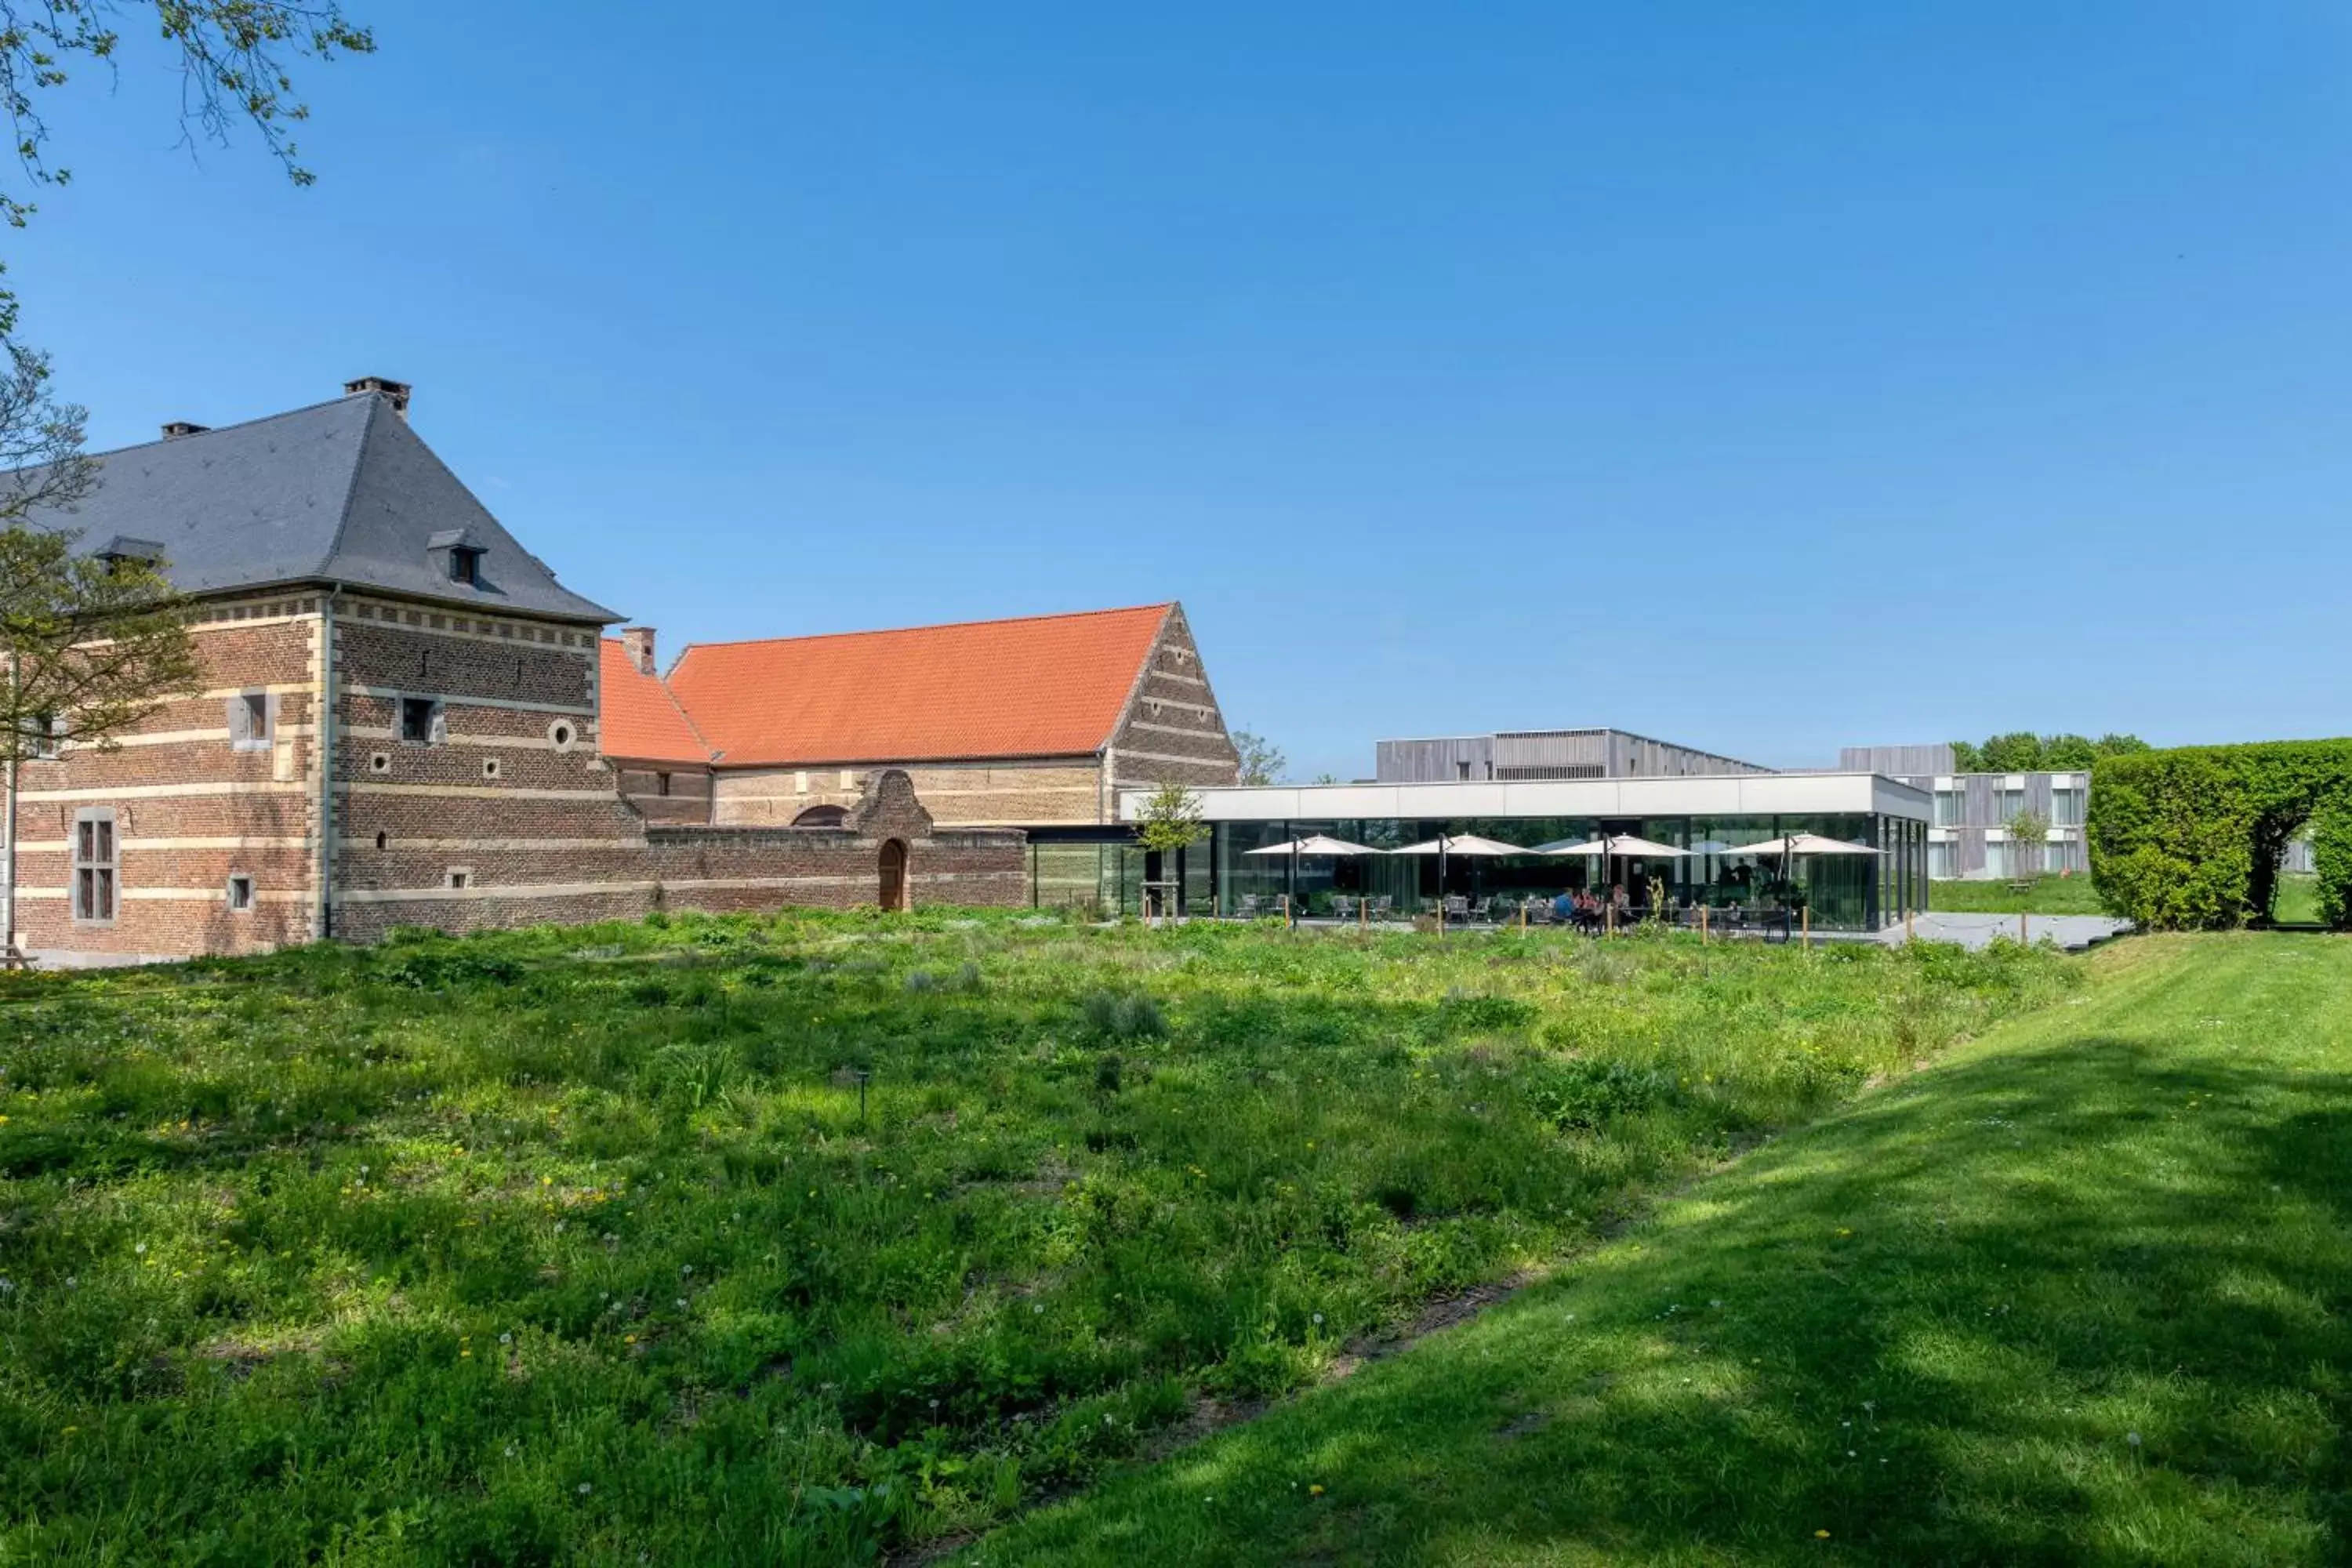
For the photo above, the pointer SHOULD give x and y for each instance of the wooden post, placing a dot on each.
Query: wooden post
(1701, 921)
(2021, 928)
(1609, 918)
(1906, 925)
(1805, 921)
(1523, 916)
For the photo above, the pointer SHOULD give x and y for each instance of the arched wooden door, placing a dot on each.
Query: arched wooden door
(894, 874)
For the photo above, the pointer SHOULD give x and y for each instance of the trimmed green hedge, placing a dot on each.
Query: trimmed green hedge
(2190, 839)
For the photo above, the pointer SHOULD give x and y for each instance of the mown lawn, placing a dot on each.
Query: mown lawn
(576, 1245)
(2045, 895)
(2079, 1293)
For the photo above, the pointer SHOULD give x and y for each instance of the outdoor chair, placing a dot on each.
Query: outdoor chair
(1382, 907)
(1458, 908)
(1343, 907)
(1248, 908)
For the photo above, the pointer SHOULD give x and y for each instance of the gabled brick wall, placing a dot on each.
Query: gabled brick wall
(1172, 731)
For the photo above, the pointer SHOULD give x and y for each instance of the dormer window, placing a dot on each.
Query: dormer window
(122, 551)
(456, 554)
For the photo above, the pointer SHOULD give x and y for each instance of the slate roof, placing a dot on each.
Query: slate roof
(1041, 686)
(342, 492)
(636, 717)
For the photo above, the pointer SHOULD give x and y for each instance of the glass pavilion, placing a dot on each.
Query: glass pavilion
(1702, 814)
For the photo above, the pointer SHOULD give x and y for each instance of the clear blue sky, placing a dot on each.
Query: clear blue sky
(1718, 370)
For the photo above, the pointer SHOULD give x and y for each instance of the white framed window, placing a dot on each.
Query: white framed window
(252, 720)
(562, 734)
(460, 877)
(96, 866)
(240, 893)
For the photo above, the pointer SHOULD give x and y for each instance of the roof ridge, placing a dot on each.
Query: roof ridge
(351, 491)
(224, 430)
(1162, 607)
(711, 752)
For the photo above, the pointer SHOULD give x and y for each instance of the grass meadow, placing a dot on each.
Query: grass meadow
(2299, 897)
(2079, 1292)
(817, 1238)
(2049, 894)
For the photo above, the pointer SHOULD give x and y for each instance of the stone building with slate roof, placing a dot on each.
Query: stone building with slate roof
(397, 724)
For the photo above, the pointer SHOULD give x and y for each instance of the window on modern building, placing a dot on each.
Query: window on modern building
(2008, 803)
(1940, 858)
(248, 722)
(2066, 807)
(464, 566)
(95, 865)
(240, 893)
(1951, 807)
(1461, 769)
(422, 722)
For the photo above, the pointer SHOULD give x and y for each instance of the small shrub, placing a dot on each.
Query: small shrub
(1586, 1094)
(1124, 1015)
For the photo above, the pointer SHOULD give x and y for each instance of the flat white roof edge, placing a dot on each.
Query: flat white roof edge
(1690, 794)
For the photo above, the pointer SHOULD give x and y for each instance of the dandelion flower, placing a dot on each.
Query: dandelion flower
(583, 1488)
(1820, 1535)
(1314, 1490)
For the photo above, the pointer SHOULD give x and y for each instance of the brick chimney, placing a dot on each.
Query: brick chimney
(639, 642)
(397, 392)
(179, 427)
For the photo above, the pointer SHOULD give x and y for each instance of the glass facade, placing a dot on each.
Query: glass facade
(1844, 892)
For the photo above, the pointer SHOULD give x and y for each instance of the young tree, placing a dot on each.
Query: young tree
(1170, 822)
(235, 58)
(1262, 760)
(2028, 830)
(87, 648)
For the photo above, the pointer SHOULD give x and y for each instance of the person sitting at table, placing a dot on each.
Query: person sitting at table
(1565, 907)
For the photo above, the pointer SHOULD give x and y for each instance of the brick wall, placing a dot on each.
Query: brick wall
(508, 816)
(1017, 793)
(665, 791)
(505, 816)
(190, 808)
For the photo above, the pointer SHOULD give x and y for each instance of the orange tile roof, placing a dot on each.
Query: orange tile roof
(1038, 687)
(636, 715)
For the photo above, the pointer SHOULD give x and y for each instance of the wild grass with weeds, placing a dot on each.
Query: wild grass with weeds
(574, 1243)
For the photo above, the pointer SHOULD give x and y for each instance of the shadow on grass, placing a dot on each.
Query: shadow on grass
(2084, 1302)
